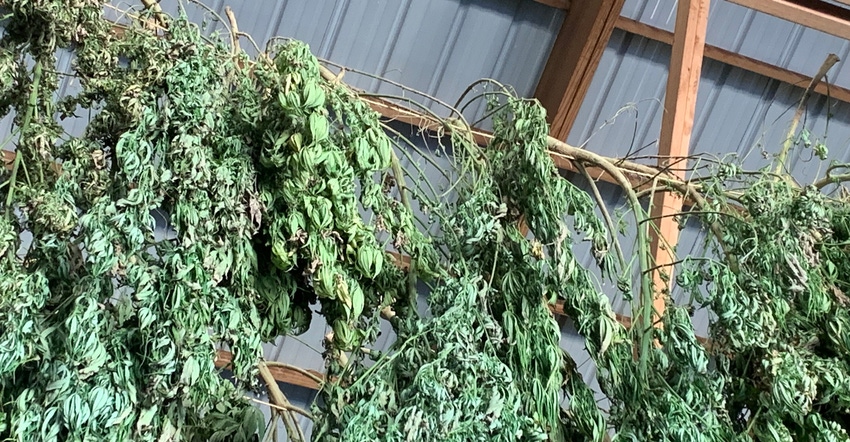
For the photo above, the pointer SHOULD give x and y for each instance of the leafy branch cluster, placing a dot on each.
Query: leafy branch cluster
(780, 336)
(110, 330)
(284, 191)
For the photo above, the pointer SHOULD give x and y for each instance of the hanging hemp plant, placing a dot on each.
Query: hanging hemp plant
(284, 192)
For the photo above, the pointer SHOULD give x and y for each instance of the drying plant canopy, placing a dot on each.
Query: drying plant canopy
(284, 192)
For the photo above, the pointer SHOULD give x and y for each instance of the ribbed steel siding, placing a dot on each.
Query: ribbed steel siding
(67, 86)
(755, 34)
(625, 97)
(737, 112)
(435, 46)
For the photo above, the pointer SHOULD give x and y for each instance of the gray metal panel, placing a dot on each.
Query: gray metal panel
(626, 92)
(435, 46)
(737, 111)
(67, 85)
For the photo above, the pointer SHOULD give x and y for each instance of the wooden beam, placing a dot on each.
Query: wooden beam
(281, 374)
(737, 60)
(815, 14)
(575, 55)
(673, 145)
(396, 112)
(390, 111)
(558, 309)
(8, 158)
(557, 4)
(399, 260)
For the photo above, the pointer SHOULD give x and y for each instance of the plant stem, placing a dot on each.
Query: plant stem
(234, 30)
(643, 251)
(31, 105)
(411, 271)
(278, 398)
(158, 14)
(612, 229)
(831, 59)
(832, 179)
(292, 408)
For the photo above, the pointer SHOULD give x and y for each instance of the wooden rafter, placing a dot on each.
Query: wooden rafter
(558, 4)
(676, 127)
(815, 14)
(737, 60)
(285, 375)
(641, 181)
(574, 58)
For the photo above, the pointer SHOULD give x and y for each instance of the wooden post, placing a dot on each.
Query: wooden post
(573, 61)
(676, 127)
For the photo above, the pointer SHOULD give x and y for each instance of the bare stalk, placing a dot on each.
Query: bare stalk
(277, 397)
(291, 408)
(612, 229)
(411, 270)
(564, 149)
(153, 6)
(830, 61)
(832, 179)
(16, 165)
(234, 30)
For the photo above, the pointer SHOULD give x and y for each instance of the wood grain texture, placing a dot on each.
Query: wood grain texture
(558, 4)
(814, 14)
(575, 56)
(281, 374)
(676, 127)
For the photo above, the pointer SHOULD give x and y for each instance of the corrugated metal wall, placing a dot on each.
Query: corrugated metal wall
(435, 46)
(738, 112)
